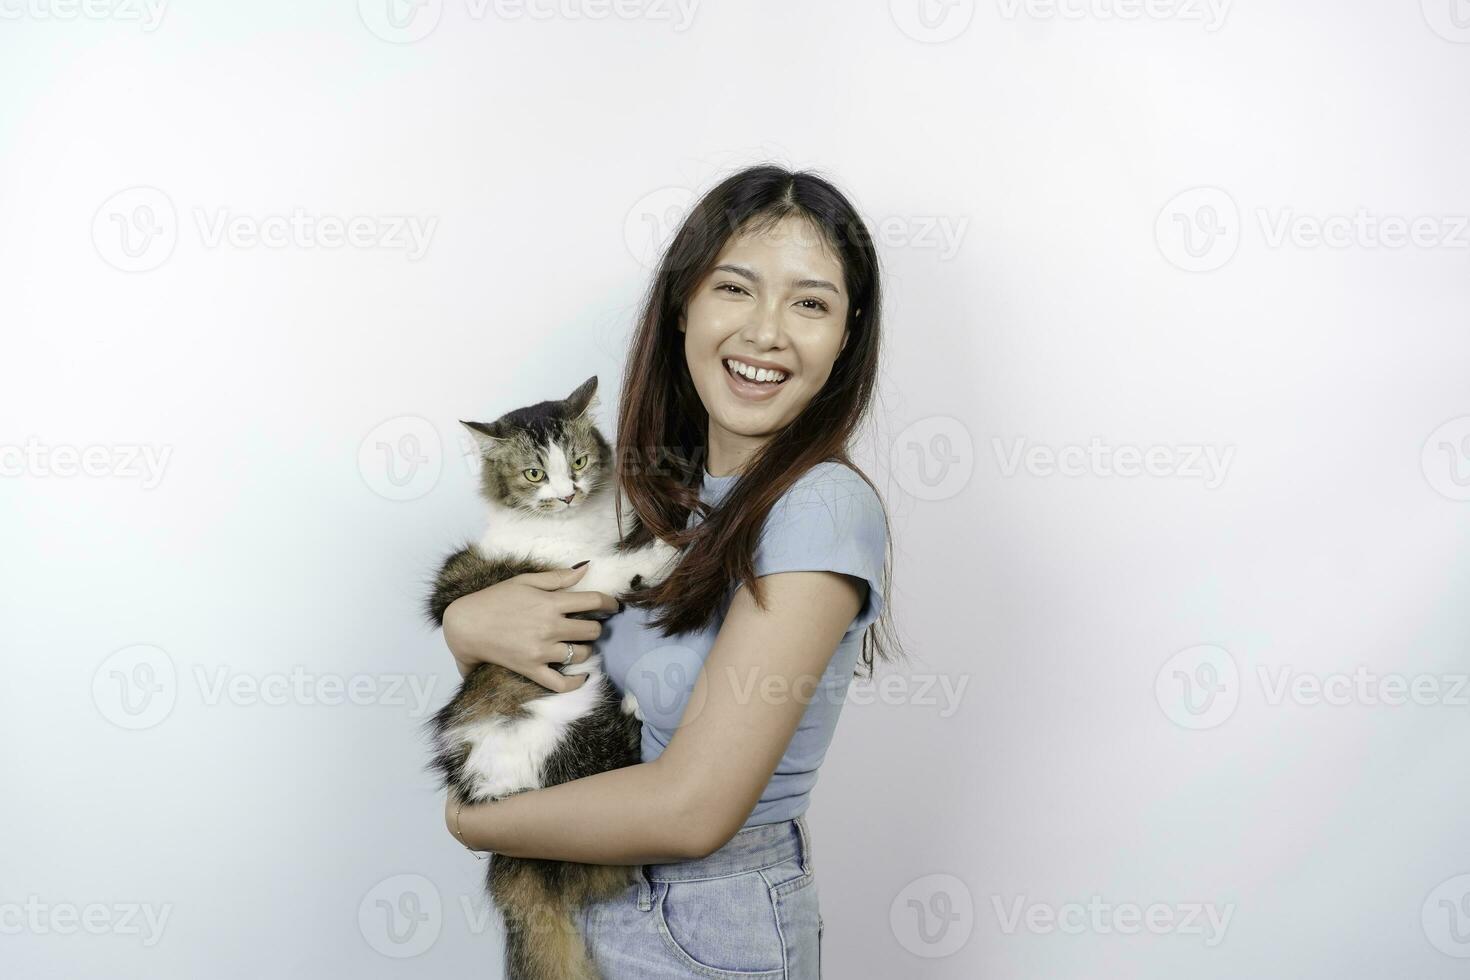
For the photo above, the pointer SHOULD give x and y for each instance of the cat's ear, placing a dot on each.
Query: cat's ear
(583, 399)
(487, 434)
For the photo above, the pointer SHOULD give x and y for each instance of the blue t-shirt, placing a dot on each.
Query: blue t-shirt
(829, 520)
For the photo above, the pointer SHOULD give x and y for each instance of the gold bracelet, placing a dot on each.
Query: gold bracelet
(457, 832)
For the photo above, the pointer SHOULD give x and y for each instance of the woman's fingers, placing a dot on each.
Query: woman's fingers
(554, 680)
(552, 579)
(578, 630)
(570, 602)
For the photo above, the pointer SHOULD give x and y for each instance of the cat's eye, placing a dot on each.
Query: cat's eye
(580, 462)
(533, 474)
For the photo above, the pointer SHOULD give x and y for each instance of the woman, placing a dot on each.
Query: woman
(739, 688)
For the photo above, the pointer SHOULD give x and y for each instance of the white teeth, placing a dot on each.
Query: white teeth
(754, 374)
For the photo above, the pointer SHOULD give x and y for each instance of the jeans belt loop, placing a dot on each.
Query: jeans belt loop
(806, 845)
(645, 889)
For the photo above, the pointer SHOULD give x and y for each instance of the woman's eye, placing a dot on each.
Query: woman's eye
(818, 305)
(579, 462)
(533, 474)
(729, 285)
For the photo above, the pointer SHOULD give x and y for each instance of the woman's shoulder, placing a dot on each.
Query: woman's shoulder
(834, 485)
(830, 500)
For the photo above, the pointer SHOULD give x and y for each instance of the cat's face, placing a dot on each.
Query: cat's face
(547, 458)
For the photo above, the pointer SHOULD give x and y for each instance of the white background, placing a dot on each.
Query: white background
(1081, 222)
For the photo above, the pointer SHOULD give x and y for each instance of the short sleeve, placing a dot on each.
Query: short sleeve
(829, 520)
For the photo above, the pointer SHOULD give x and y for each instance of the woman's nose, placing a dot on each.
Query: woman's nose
(765, 327)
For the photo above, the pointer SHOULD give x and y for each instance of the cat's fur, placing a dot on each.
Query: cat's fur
(502, 733)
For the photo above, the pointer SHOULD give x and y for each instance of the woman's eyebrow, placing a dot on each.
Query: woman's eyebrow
(754, 276)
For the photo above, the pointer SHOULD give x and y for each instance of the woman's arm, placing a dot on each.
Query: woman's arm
(746, 704)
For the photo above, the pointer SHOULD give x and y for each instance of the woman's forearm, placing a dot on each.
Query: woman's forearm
(633, 815)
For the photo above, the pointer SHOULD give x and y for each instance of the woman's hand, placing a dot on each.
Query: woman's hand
(522, 625)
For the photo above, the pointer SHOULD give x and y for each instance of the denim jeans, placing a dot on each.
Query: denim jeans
(747, 911)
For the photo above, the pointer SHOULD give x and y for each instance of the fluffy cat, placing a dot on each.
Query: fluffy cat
(547, 476)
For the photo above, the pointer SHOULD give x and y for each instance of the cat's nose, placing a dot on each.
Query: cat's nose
(568, 498)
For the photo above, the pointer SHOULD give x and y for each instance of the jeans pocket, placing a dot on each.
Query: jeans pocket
(722, 927)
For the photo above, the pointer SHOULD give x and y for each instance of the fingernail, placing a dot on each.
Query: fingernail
(582, 562)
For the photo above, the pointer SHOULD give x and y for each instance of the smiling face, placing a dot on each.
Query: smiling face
(775, 305)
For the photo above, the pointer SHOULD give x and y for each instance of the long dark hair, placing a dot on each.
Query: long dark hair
(662, 423)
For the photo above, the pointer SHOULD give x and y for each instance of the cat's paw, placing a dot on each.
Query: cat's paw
(630, 706)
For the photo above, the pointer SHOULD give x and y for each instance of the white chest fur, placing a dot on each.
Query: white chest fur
(509, 755)
(590, 532)
(587, 531)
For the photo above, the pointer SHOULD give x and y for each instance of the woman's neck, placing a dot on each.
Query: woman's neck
(723, 460)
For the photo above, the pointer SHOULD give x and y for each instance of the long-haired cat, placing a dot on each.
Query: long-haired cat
(548, 478)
